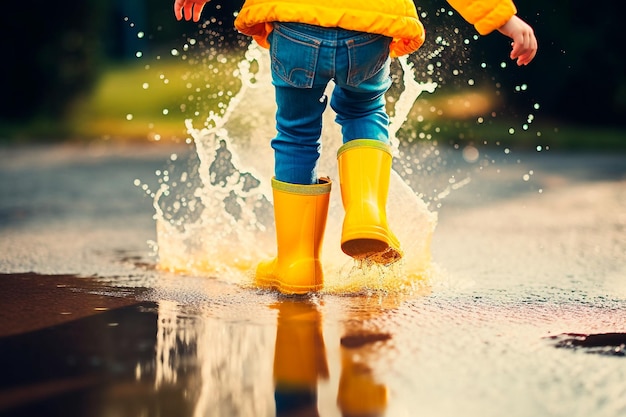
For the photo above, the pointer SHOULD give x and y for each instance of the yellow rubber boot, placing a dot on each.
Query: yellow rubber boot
(300, 213)
(299, 357)
(300, 352)
(364, 173)
(359, 394)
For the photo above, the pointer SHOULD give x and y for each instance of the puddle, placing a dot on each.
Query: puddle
(191, 346)
(86, 366)
(611, 344)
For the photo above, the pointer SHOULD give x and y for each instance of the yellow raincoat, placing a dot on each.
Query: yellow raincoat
(396, 19)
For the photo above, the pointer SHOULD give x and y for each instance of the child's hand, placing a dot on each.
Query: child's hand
(191, 8)
(524, 41)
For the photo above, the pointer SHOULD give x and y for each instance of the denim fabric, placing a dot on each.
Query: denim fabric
(304, 60)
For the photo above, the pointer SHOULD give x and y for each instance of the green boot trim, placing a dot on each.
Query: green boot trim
(313, 189)
(364, 143)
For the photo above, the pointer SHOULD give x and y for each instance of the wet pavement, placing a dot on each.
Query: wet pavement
(526, 315)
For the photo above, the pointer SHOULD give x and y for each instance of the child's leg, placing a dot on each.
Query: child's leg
(296, 52)
(297, 144)
(362, 80)
(300, 198)
(364, 161)
(361, 114)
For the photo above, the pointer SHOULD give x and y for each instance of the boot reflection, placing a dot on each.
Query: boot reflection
(299, 358)
(359, 394)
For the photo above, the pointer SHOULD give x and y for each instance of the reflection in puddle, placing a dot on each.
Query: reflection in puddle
(168, 358)
(82, 367)
(223, 365)
(299, 357)
(200, 347)
(360, 394)
(275, 364)
(301, 364)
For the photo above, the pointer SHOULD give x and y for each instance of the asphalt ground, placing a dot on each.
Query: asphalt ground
(525, 315)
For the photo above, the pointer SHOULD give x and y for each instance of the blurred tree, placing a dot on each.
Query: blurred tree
(53, 55)
(579, 74)
(127, 19)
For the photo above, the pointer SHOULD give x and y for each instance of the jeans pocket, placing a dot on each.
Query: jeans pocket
(367, 56)
(293, 56)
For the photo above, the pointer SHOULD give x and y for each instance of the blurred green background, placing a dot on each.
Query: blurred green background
(127, 70)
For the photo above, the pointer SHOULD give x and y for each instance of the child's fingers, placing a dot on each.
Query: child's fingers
(178, 10)
(188, 10)
(524, 49)
(197, 11)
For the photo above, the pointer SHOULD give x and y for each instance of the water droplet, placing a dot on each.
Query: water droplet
(138, 54)
(140, 34)
(145, 86)
(129, 116)
(470, 154)
(174, 52)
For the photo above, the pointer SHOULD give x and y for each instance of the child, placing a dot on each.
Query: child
(350, 42)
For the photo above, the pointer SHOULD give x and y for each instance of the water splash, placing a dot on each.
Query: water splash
(216, 219)
(225, 206)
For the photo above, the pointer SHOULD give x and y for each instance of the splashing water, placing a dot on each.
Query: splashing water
(218, 219)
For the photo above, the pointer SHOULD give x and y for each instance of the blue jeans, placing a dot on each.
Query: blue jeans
(304, 60)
